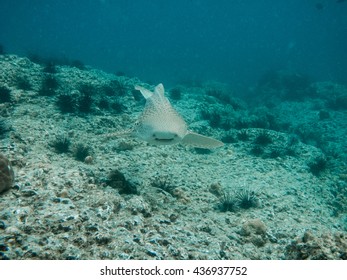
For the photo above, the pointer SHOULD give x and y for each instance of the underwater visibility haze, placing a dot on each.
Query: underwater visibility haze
(176, 130)
(185, 40)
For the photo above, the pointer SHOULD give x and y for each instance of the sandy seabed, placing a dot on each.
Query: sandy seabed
(164, 202)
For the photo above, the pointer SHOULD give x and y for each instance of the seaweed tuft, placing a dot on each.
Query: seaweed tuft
(5, 94)
(227, 202)
(61, 144)
(117, 180)
(81, 151)
(247, 198)
(263, 139)
(318, 165)
(66, 103)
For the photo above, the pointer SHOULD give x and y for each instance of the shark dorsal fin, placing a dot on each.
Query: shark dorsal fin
(159, 89)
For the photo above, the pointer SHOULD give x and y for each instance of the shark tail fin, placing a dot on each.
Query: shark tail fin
(118, 134)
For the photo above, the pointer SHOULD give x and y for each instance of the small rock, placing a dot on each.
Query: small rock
(88, 160)
(254, 226)
(2, 225)
(6, 174)
(151, 253)
(28, 193)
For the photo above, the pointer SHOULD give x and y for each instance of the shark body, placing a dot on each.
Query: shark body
(161, 124)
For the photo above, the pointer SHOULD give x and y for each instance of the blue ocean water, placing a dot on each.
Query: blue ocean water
(233, 41)
(88, 165)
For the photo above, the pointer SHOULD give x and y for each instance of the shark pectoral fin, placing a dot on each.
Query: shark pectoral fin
(145, 92)
(201, 141)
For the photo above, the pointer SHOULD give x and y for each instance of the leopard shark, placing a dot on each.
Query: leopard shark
(161, 124)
